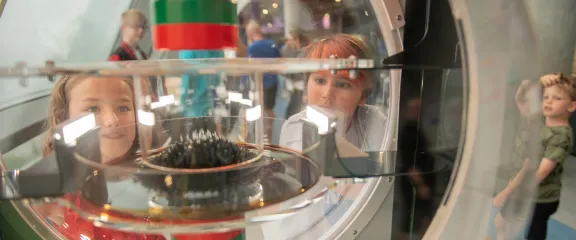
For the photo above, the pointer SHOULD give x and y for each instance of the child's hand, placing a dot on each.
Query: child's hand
(526, 96)
(423, 191)
(522, 89)
(550, 79)
(499, 200)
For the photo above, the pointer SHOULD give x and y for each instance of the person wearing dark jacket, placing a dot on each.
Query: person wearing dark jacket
(134, 25)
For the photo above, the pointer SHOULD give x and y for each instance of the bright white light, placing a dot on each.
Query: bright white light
(229, 53)
(265, 11)
(146, 118)
(275, 5)
(253, 114)
(78, 128)
(163, 101)
(321, 120)
(237, 97)
(337, 0)
(269, 25)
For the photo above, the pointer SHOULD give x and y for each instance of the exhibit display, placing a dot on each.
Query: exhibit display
(269, 119)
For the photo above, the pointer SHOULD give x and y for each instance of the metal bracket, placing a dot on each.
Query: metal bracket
(394, 13)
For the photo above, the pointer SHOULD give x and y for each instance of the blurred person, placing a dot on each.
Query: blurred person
(260, 47)
(293, 48)
(134, 25)
(416, 186)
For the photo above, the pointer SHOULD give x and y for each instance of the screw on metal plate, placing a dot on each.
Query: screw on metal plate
(353, 73)
(389, 179)
(21, 67)
(399, 17)
(354, 232)
(333, 72)
(49, 66)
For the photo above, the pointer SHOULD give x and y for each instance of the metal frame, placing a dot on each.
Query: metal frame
(39, 225)
(384, 186)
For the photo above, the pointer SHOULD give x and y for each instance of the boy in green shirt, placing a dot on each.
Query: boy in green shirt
(558, 102)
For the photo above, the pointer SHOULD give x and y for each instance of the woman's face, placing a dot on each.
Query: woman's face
(336, 92)
(111, 102)
(292, 41)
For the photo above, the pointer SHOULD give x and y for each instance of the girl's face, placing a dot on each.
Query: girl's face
(336, 92)
(111, 102)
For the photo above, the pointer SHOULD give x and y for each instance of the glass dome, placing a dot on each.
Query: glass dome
(264, 119)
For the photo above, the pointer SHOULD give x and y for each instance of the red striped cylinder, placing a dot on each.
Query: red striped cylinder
(194, 25)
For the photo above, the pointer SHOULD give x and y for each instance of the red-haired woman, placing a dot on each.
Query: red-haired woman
(344, 92)
(341, 91)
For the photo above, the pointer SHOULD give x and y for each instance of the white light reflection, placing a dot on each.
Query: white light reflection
(237, 97)
(163, 101)
(321, 120)
(146, 118)
(78, 128)
(253, 114)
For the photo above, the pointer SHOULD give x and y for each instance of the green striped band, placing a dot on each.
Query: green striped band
(195, 11)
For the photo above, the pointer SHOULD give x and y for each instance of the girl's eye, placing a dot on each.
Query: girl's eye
(124, 109)
(320, 81)
(92, 109)
(343, 85)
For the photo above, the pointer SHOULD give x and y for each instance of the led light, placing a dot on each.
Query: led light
(75, 129)
(146, 118)
(253, 114)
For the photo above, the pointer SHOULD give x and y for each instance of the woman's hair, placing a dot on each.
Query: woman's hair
(59, 103)
(342, 46)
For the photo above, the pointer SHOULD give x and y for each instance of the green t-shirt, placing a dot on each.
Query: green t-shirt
(557, 145)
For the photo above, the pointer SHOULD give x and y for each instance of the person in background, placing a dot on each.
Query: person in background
(417, 188)
(133, 26)
(260, 47)
(293, 47)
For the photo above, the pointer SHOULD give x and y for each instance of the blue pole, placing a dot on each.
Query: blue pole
(196, 91)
